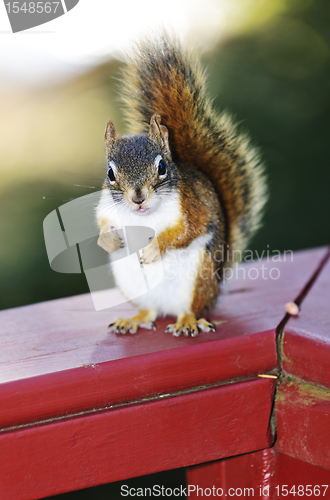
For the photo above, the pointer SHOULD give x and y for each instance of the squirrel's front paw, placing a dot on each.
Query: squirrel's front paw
(150, 253)
(110, 241)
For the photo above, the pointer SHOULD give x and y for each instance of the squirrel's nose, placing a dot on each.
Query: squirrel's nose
(138, 199)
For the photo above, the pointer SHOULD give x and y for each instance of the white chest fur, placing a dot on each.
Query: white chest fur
(170, 281)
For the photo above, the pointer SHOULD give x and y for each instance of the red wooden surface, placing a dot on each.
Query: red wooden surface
(302, 453)
(132, 379)
(135, 440)
(306, 341)
(303, 410)
(257, 474)
(62, 370)
(57, 358)
(303, 422)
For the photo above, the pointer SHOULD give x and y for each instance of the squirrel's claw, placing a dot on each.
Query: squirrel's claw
(122, 326)
(189, 326)
(110, 241)
(205, 325)
(144, 320)
(150, 253)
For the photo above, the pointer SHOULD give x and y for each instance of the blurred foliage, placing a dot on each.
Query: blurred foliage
(274, 78)
(52, 147)
(276, 81)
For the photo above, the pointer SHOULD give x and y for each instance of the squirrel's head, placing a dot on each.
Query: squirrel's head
(139, 167)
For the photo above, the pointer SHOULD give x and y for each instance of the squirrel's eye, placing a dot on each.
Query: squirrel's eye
(161, 169)
(111, 175)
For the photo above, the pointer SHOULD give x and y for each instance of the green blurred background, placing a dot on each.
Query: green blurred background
(273, 74)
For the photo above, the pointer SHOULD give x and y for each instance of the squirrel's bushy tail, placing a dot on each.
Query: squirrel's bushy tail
(162, 78)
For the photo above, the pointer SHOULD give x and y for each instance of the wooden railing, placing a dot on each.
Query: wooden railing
(80, 406)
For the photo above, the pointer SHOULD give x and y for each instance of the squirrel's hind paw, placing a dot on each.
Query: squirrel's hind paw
(205, 325)
(121, 325)
(190, 326)
(145, 319)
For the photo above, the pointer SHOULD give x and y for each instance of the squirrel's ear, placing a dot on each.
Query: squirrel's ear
(158, 131)
(110, 135)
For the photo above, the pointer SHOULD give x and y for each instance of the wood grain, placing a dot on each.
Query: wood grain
(135, 440)
(306, 340)
(302, 416)
(56, 358)
(254, 474)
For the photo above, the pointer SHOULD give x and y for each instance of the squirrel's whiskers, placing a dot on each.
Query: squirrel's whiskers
(186, 173)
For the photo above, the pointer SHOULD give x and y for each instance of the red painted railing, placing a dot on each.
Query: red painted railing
(81, 407)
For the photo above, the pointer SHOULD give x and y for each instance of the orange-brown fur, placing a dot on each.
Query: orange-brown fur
(206, 285)
(171, 83)
(215, 170)
(199, 208)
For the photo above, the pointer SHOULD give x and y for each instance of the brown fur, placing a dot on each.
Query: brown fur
(206, 286)
(214, 169)
(161, 78)
(200, 207)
